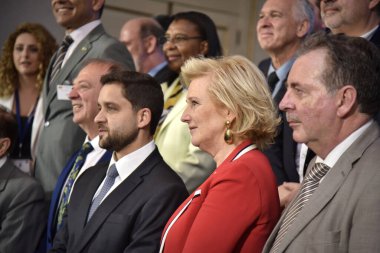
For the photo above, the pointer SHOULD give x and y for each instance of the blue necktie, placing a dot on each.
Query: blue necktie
(79, 161)
(108, 183)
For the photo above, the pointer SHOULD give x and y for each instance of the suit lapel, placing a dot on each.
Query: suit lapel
(112, 201)
(329, 186)
(77, 55)
(5, 173)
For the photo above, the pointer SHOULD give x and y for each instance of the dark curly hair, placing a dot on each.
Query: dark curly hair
(8, 73)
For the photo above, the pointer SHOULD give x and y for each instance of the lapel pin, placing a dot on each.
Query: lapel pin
(84, 48)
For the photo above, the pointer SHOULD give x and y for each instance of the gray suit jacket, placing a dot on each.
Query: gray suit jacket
(60, 137)
(343, 214)
(22, 211)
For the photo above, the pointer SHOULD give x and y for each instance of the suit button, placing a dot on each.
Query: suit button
(47, 123)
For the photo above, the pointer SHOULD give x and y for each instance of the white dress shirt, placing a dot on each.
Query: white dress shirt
(127, 165)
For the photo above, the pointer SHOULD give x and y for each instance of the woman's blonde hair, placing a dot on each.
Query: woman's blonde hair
(8, 73)
(239, 85)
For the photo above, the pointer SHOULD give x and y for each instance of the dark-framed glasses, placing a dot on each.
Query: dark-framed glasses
(178, 39)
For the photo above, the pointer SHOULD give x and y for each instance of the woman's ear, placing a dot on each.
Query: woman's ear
(204, 48)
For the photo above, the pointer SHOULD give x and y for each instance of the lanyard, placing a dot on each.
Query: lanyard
(22, 131)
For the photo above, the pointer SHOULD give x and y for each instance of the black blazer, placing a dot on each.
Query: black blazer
(282, 152)
(130, 219)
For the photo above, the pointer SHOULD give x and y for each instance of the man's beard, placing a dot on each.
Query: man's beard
(118, 141)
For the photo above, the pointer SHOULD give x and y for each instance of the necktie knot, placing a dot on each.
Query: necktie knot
(67, 40)
(272, 80)
(112, 171)
(318, 171)
(87, 148)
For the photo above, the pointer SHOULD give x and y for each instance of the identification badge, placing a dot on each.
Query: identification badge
(63, 91)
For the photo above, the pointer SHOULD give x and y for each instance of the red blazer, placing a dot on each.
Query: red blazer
(234, 210)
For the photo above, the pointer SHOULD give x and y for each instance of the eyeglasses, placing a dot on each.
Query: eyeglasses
(178, 39)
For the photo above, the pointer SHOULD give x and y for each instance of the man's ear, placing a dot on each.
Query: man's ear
(303, 28)
(5, 144)
(372, 4)
(97, 4)
(144, 117)
(150, 43)
(346, 100)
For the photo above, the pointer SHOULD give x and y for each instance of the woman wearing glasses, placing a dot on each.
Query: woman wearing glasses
(24, 59)
(190, 34)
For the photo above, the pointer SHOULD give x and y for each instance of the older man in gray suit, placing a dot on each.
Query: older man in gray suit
(60, 137)
(332, 96)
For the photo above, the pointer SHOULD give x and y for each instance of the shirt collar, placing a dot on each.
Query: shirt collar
(3, 160)
(342, 147)
(157, 68)
(129, 163)
(369, 34)
(94, 143)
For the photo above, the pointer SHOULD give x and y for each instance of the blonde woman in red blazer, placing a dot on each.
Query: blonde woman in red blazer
(231, 116)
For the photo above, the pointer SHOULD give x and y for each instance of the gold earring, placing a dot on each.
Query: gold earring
(228, 134)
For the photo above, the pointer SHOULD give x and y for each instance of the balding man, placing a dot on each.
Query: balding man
(142, 36)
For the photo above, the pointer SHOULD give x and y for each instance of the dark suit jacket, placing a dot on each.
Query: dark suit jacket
(22, 211)
(282, 152)
(165, 75)
(130, 219)
(343, 214)
(52, 219)
(234, 210)
(61, 136)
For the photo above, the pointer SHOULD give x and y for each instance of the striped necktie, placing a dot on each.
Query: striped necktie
(60, 56)
(309, 185)
(108, 183)
(67, 188)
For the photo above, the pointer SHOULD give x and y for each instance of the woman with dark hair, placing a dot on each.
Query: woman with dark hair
(190, 34)
(23, 63)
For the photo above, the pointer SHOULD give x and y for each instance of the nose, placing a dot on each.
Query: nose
(286, 102)
(73, 93)
(185, 115)
(99, 117)
(263, 21)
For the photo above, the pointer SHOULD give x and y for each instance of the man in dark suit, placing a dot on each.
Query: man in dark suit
(142, 37)
(60, 136)
(280, 36)
(340, 16)
(125, 206)
(84, 100)
(330, 105)
(22, 209)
